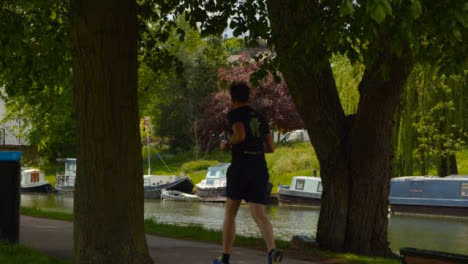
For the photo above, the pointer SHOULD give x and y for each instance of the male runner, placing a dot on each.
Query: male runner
(247, 177)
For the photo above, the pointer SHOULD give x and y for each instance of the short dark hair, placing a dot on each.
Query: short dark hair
(239, 91)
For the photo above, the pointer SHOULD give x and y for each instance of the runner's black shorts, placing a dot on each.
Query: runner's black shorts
(247, 179)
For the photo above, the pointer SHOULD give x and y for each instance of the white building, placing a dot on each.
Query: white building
(8, 130)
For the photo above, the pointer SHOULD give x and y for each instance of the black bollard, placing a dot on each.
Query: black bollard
(10, 179)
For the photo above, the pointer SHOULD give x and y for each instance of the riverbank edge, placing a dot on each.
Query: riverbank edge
(19, 254)
(199, 233)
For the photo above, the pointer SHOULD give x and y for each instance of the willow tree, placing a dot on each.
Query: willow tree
(431, 122)
(438, 123)
(354, 151)
(405, 135)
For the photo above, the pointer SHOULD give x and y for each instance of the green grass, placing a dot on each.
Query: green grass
(462, 161)
(202, 234)
(31, 211)
(49, 172)
(352, 258)
(17, 254)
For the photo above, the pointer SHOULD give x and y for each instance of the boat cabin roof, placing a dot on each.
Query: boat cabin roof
(219, 166)
(307, 178)
(307, 184)
(31, 170)
(67, 160)
(152, 175)
(432, 178)
(217, 171)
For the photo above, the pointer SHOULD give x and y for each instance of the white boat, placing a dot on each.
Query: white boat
(179, 196)
(214, 185)
(304, 190)
(33, 180)
(66, 174)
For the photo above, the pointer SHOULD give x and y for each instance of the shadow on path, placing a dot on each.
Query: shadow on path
(54, 238)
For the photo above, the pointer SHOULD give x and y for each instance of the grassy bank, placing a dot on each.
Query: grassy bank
(199, 233)
(17, 254)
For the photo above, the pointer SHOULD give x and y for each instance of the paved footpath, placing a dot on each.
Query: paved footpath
(54, 238)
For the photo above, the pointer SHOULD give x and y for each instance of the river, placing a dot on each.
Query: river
(426, 232)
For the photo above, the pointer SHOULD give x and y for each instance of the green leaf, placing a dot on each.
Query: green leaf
(457, 34)
(347, 8)
(416, 9)
(462, 19)
(181, 34)
(378, 13)
(387, 7)
(53, 15)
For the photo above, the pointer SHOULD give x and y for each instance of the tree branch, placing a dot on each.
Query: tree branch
(306, 68)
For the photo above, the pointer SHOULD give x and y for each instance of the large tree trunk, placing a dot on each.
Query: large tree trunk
(453, 164)
(447, 166)
(108, 224)
(355, 152)
(371, 154)
(442, 168)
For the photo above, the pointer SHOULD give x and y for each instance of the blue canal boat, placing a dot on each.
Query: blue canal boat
(430, 195)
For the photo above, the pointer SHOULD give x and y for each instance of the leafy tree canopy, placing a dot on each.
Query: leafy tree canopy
(35, 72)
(175, 96)
(434, 31)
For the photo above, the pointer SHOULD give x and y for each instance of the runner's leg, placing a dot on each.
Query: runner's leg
(229, 226)
(260, 217)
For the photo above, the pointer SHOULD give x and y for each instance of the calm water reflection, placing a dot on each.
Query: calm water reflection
(443, 234)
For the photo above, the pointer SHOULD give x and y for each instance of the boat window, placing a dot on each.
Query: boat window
(71, 167)
(300, 185)
(212, 173)
(464, 189)
(319, 187)
(35, 177)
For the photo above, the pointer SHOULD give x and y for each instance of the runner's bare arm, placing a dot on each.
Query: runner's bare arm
(268, 144)
(238, 134)
(237, 137)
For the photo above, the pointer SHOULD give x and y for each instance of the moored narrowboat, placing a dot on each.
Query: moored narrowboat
(66, 174)
(214, 185)
(303, 191)
(430, 195)
(33, 180)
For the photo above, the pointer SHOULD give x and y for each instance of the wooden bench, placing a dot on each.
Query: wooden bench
(421, 256)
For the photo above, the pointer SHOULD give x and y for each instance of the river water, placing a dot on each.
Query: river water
(434, 233)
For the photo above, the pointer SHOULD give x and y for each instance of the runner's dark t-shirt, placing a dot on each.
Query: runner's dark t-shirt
(256, 129)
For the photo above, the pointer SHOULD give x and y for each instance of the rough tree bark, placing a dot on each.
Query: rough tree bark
(447, 166)
(355, 152)
(453, 164)
(108, 224)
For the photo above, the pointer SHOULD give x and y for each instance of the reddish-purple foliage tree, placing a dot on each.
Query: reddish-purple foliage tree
(269, 97)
